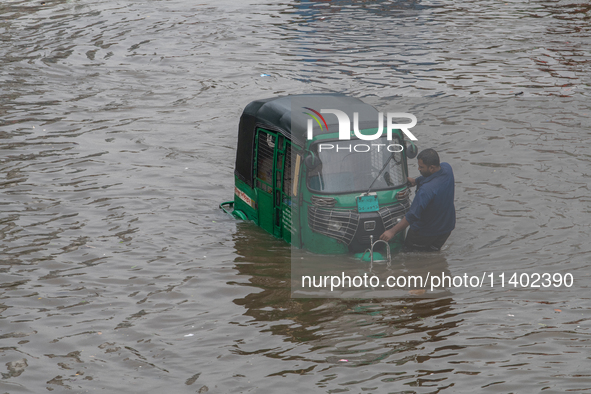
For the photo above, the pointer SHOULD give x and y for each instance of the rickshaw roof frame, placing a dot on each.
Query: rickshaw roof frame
(275, 114)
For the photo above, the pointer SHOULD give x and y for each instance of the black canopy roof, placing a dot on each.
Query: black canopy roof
(288, 115)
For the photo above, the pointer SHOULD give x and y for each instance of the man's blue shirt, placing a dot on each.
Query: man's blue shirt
(432, 211)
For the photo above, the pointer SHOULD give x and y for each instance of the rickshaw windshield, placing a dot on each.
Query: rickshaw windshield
(352, 166)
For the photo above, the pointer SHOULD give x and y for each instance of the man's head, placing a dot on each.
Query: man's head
(428, 162)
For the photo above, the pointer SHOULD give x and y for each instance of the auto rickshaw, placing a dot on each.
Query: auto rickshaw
(304, 176)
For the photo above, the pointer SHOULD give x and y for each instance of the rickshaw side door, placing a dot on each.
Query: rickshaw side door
(290, 192)
(264, 168)
(271, 157)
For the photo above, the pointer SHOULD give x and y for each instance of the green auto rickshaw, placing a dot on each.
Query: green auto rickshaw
(304, 175)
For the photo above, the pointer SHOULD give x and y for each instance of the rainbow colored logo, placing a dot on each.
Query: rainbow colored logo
(316, 118)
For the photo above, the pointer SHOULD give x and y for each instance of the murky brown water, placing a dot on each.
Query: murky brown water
(118, 129)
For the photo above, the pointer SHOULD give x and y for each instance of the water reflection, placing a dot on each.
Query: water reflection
(350, 331)
(409, 343)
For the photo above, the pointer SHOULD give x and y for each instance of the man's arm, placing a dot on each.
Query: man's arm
(416, 181)
(400, 226)
(403, 224)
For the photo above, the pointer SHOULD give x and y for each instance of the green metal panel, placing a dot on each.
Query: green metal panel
(265, 154)
(245, 200)
(279, 196)
(292, 183)
(265, 202)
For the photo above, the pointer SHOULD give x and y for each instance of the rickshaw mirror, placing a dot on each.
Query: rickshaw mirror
(311, 161)
(411, 151)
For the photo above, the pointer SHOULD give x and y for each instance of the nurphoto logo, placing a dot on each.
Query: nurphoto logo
(345, 129)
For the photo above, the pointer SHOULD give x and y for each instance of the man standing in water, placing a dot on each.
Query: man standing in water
(432, 215)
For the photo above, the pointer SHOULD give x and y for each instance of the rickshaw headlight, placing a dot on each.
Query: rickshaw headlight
(335, 225)
(401, 195)
(340, 224)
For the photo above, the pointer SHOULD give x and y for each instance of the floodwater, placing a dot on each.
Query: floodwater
(118, 121)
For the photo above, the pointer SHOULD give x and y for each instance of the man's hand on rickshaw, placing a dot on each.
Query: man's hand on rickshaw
(388, 234)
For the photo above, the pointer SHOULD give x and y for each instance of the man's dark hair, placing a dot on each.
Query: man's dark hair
(429, 157)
